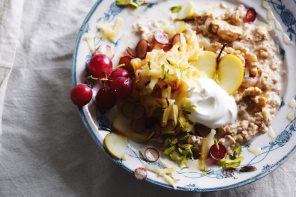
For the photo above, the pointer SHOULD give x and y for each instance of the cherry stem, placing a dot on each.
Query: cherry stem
(223, 47)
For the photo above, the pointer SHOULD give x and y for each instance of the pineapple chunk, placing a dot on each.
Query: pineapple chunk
(230, 73)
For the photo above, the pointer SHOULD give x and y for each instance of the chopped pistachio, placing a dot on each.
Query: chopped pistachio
(230, 164)
(123, 2)
(176, 9)
(169, 150)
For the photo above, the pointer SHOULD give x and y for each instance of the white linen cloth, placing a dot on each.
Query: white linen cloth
(45, 149)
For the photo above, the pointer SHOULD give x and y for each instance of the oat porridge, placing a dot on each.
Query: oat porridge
(258, 97)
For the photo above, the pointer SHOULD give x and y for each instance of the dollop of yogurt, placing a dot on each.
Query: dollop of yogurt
(213, 106)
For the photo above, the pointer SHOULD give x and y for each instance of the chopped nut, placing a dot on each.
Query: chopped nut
(252, 91)
(225, 30)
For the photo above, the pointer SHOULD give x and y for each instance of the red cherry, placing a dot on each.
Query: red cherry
(217, 153)
(105, 98)
(121, 87)
(250, 16)
(161, 38)
(81, 94)
(100, 66)
(119, 72)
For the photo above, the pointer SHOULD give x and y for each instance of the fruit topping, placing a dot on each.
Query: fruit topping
(217, 151)
(150, 154)
(81, 95)
(119, 72)
(230, 73)
(100, 66)
(207, 63)
(105, 98)
(161, 38)
(116, 145)
(121, 87)
(250, 15)
(140, 173)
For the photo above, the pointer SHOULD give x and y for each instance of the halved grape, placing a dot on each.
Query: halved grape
(250, 16)
(217, 152)
(150, 154)
(140, 173)
(161, 38)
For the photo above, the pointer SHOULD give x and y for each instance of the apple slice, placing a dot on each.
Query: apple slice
(116, 145)
(187, 12)
(207, 63)
(124, 126)
(230, 73)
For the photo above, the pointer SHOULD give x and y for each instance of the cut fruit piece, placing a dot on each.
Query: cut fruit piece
(207, 63)
(230, 73)
(123, 125)
(176, 28)
(187, 12)
(116, 145)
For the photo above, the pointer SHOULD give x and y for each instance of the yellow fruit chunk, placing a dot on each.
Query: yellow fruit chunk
(173, 29)
(207, 63)
(116, 145)
(187, 12)
(230, 73)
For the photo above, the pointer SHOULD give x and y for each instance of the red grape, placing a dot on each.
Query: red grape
(125, 60)
(119, 72)
(217, 153)
(121, 87)
(167, 47)
(100, 66)
(250, 16)
(161, 38)
(81, 94)
(176, 38)
(140, 173)
(105, 98)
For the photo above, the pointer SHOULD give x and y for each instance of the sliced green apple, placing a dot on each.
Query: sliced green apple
(187, 12)
(230, 73)
(116, 145)
(207, 63)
